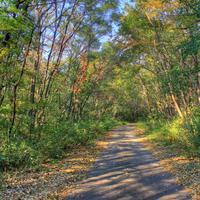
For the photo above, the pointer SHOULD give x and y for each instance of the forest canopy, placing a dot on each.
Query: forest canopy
(70, 70)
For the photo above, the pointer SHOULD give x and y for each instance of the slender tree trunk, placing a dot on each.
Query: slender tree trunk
(177, 106)
(14, 99)
(198, 87)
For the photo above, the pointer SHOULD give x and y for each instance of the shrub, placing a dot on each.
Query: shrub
(192, 125)
(51, 141)
(18, 153)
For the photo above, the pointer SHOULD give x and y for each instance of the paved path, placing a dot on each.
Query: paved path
(127, 171)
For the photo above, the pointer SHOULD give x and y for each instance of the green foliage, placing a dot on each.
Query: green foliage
(178, 132)
(61, 88)
(190, 47)
(192, 125)
(56, 139)
(1, 183)
(73, 135)
(161, 40)
(18, 153)
(51, 67)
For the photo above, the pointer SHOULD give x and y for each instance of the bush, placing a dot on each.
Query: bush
(51, 141)
(192, 125)
(183, 133)
(18, 153)
(70, 135)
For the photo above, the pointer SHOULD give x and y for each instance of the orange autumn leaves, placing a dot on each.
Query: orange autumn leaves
(81, 76)
(87, 72)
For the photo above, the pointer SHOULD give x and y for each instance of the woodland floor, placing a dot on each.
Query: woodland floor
(124, 169)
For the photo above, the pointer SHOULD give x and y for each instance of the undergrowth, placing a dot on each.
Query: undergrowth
(181, 133)
(54, 141)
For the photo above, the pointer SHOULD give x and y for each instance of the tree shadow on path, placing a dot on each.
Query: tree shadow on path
(127, 171)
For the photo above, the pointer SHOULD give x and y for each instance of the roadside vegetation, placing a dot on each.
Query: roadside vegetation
(176, 155)
(161, 42)
(175, 133)
(52, 98)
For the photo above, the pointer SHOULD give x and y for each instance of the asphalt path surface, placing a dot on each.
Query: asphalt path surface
(128, 171)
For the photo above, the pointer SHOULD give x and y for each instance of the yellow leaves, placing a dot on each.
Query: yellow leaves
(101, 144)
(153, 8)
(75, 169)
(153, 4)
(137, 66)
(3, 52)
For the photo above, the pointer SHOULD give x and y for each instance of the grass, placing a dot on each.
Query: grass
(171, 134)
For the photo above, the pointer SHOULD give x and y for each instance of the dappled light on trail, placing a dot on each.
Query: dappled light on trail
(127, 170)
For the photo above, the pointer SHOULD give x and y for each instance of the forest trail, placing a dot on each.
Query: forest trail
(127, 171)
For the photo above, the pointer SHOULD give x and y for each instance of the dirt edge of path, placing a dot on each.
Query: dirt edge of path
(182, 167)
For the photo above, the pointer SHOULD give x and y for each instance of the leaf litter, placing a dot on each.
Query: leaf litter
(185, 169)
(54, 180)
